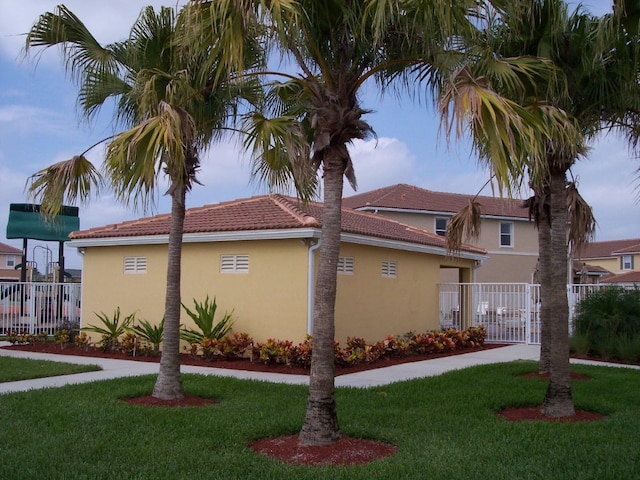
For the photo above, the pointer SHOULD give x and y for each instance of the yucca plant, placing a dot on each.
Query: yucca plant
(111, 329)
(204, 318)
(151, 334)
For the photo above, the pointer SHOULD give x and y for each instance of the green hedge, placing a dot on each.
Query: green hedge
(607, 325)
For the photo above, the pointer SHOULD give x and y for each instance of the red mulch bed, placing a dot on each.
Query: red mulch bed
(532, 414)
(240, 363)
(346, 451)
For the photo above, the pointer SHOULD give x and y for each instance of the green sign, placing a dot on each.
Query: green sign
(26, 221)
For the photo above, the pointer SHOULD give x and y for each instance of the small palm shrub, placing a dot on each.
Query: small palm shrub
(111, 330)
(149, 336)
(203, 316)
(607, 324)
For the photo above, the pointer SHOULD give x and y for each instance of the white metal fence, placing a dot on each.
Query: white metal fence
(510, 312)
(38, 307)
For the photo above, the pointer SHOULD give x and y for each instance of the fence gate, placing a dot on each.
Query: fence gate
(508, 311)
(38, 307)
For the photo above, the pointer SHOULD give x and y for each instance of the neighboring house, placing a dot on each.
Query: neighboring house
(258, 257)
(507, 234)
(10, 257)
(616, 256)
(584, 273)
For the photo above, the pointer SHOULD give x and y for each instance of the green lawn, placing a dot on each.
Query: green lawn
(444, 427)
(14, 369)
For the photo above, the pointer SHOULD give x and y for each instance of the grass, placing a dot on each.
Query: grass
(445, 427)
(15, 369)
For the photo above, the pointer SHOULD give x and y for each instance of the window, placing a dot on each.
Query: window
(11, 260)
(389, 269)
(135, 265)
(441, 225)
(626, 262)
(345, 265)
(506, 234)
(234, 263)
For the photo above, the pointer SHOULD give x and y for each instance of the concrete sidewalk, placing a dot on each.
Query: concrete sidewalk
(370, 378)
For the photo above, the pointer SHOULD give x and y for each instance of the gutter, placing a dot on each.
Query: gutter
(311, 284)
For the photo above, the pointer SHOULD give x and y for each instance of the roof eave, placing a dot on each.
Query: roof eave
(274, 234)
(408, 246)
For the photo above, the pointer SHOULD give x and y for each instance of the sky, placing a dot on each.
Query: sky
(40, 124)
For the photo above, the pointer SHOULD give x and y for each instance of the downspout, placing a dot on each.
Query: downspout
(311, 283)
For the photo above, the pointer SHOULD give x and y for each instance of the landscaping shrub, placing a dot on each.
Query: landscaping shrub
(207, 327)
(358, 350)
(149, 336)
(111, 330)
(607, 324)
(66, 333)
(275, 351)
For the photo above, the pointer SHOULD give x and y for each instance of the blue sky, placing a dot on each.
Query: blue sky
(40, 125)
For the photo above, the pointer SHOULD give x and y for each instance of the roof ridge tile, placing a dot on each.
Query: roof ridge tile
(292, 208)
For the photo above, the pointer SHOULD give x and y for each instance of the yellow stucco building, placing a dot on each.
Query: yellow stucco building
(258, 257)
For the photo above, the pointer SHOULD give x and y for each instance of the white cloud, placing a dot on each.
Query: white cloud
(380, 163)
(26, 119)
(608, 181)
(107, 21)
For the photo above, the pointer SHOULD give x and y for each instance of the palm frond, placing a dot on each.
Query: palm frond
(582, 223)
(81, 51)
(464, 226)
(136, 157)
(64, 182)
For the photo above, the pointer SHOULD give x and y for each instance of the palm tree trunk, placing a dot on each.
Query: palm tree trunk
(321, 421)
(168, 385)
(558, 401)
(546, 285)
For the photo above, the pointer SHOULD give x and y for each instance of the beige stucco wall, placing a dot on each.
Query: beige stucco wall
(371, 306)
(271, 300)
(105, 287)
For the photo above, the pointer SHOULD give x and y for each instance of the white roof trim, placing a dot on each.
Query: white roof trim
(408, 246)
(279, 234)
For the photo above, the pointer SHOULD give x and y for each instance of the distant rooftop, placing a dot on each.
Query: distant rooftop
(610, 248)
(408, 197)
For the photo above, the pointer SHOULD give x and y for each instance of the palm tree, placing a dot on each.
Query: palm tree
(173, 101)
(333, 48)
(597, 87)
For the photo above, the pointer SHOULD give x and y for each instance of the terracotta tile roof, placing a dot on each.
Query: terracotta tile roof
(407, 197)
(609, 248)
(631, 249)
(268, 212)
(9, 250)
(628, 277)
